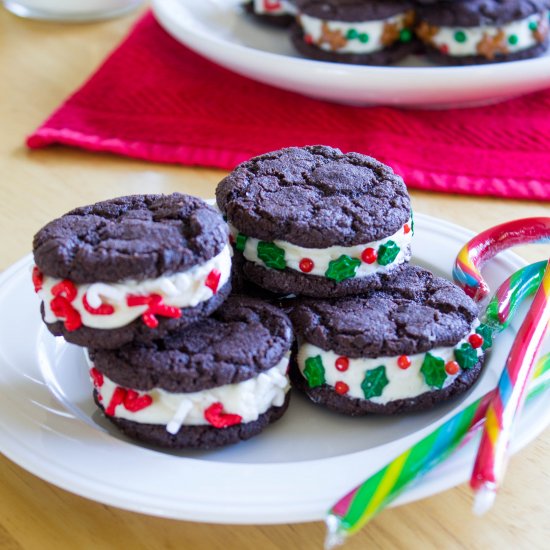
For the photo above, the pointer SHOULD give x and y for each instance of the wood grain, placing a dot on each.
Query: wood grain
(40, 64)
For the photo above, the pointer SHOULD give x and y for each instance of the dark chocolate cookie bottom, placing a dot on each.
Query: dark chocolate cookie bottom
(196, 437)
(386, 56)
(281, 21)
(327, 397)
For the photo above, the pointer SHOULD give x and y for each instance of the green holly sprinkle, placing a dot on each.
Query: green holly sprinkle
(513, 39)
(240, 242)
(405, 35)
(466, 356)
(271, 255)
(352, 34)
(387, 253)
(433, 369)
(533, 26)
(412, 222)
(314, 371)
(343, 268)
(363, 37)
(460, 37)
(487, 333)
(374, 382)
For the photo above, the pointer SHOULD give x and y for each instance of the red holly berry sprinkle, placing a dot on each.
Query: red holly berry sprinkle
(103, 309)
(97, 377)
(306, 265)
(64, 293)
(444, 49)
(308, 39)
(341, 387)
(134, 402)
(342, 364)
(369, 255)
(231, 238)
(117, 399)
(155, 307)
(37, 278)
(215, 416)
(403, 362)
(476, 340)
(452, 367)
(213, 280)
(406, 228)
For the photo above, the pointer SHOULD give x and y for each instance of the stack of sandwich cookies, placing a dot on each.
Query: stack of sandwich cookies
(404, 347)
(317, 222)
(220, 381)
(375, 32)
(131, 269)
(483, 31)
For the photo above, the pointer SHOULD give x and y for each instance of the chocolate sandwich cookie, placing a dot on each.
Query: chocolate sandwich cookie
(405, 347)
(219, 381)
(131, 268)
(279, 13)
(376, 32)
(315, 221)
(484, 31)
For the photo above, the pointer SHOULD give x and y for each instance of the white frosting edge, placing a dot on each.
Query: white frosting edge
(248, 399)
(184, 289)
(274, 7)
(321, 257)
(402, 384)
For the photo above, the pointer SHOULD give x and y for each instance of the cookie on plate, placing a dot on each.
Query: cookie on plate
(315, 221)
(131, 268)
(279, 13)
(405, 347)
(375, 32)
(484, 31)
(219, 381)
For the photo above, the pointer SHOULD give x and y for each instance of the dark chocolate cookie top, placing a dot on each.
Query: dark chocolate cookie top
(243, 338)
(353, 10)
(315, 197)
(135, 237)
(413, 312)
(476, 13)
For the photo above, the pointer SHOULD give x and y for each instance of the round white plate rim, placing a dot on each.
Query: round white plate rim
(263, 509)
(278, 69)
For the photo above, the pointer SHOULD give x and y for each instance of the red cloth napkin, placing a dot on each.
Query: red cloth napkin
(155, 99)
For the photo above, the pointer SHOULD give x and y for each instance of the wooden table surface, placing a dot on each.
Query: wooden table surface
(40, 64)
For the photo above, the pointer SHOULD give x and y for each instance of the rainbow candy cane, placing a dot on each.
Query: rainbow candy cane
(508, 398)
(488, 244)
(354, 510)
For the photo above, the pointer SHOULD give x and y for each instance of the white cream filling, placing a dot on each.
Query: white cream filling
(274, 7)
(321, 257)
(185, 289)
(368, 35)
(402, 384)
(248, 399)
(523, 36)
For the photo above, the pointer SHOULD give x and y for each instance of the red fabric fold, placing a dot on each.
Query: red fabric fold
(155, 99)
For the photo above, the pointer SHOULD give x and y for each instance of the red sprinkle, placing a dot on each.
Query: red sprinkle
(341, 388)
(342, 364)
(155, 307)
(369, 255)
(62, 308)
(406, 228)
(444, 49)
(213, 280)
(117, 399)
(231, 238)
(215, 416)
(452, 367)
(134, 402)
(308, 39)
(306, 265)
(37, 278)
(97, 377)
(103, 309)
(476, 340)
(65, 288)
(403, 362)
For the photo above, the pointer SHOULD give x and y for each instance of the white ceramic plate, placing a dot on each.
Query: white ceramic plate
(290, 473)
(218, 30)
